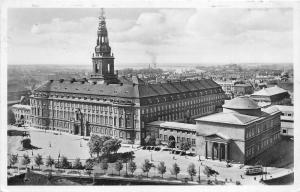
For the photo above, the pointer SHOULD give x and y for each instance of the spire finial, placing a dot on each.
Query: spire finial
(102, 13)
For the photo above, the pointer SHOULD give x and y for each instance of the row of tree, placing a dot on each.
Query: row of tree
(161, 167)
(49, 162)
(118, 165)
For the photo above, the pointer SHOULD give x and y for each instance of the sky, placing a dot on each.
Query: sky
(204, 35)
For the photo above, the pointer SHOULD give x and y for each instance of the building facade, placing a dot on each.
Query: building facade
(239, 133)
(106, 104)
(287, 119)
(173, 131)
(22, 113)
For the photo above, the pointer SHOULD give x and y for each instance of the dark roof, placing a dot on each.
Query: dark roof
(128, 88)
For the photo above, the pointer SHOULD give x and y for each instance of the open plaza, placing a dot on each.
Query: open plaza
(58, 144)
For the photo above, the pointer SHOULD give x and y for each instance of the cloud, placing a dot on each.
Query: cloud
(172, 35)
(235, 21)
(156, 28)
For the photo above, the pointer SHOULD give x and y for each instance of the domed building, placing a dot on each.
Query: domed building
(240, 133)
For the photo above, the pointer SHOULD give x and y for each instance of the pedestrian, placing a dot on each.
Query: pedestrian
(255, 178)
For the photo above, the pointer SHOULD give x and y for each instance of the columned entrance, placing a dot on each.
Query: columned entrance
(217, 147)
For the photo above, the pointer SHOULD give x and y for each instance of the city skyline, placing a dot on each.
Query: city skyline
(231, 35)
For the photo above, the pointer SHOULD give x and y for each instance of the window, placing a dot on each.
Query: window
(178, 139)
(283, 131)
(193, 141)
(165, 137)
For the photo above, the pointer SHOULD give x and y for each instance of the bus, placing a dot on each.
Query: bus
(254, 170)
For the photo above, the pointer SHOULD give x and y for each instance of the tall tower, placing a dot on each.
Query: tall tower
(103, 59)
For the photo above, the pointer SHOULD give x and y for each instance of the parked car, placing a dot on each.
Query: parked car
(157, 149)
(254, 170)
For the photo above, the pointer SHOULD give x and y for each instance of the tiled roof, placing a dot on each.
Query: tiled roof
(128, 88)
(269, 91)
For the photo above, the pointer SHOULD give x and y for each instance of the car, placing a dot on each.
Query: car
(157, 149)
(144, 147)
(254, 170)
(166, 149)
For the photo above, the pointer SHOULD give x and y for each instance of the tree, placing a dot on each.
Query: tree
(65, 164)
(192, 170)
(89, 164)
(171, 143)
(185, 146)
(25, 160)
(162, 169)
(118, 166)
(127, 156)
(111, 146)
(49, 162)
(11, 119)
(77, 164)
(104, 164)
(132, 167)
(13, 160)
(175, 170)
(146, 166)
(96, 144)
(38, 160)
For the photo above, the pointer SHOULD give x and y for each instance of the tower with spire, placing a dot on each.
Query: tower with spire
(103, 59)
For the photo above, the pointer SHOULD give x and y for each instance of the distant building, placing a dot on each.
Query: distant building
(272, 95)
(287, 119)
(241, 132)
(228, 87)
(242, 89)
(22, 113)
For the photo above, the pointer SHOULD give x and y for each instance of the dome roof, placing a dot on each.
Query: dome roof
(241, 102)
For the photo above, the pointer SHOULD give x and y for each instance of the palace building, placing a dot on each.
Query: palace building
(120, 107)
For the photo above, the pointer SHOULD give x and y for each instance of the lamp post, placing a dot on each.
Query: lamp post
(199, 175)
(58, 160)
